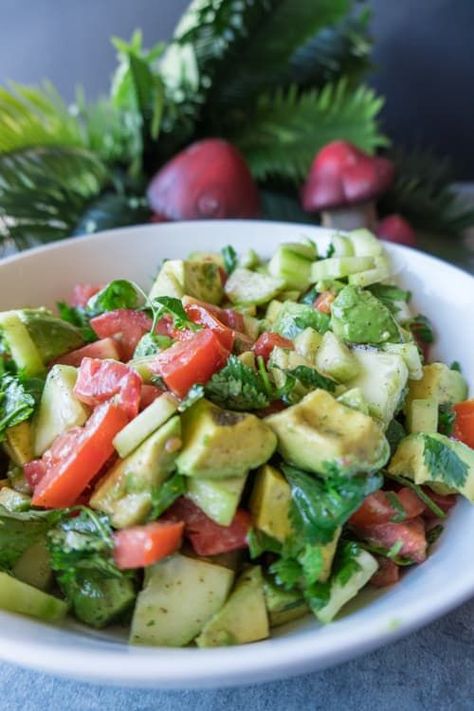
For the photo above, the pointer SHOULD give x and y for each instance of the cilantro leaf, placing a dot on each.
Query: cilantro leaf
(389, 294)
(456, 365)
(237, 387)
(230, 258)
(421, 493)
(260, 542)
(395, 433)
(443, 463)
(117, 294)
(21, 529)
(18, 398)
(309, 297)
(169, 305)
(345, 564)
(287, 572)
(446, 419)
(311, 378)
(421, 328)
(166, 494)
(78, 317)
(400, 513)
(294, 318)
(150, 344)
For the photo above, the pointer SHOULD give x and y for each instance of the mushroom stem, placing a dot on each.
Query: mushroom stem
(351, 217)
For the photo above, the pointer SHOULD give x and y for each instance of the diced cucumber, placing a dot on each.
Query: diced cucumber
(293, 318)
(382, 380)
(342, 246)
(365, 244)
(17, 596)
(217, 498)
(178, 277)
(20, 344)
(246, 287)
(180, 595)
(307, 344)
(410, 354)
(343, 590)
(12, 500)
(290, 266)
(306, 248)
(283, 606)
(281, 360)
(335, 360)
(380, 271)
(59, 408)
(422, 415)
(149, 420)
(270, 503)
(271, 314)
(33, 567)
(339, 267)
(243, 618)
(289, 295)
(353, 398)
(19, 443)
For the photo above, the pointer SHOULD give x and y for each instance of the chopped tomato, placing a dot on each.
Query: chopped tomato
(149, 394)
(387, 574)
(81, 293)
(204, 317)
(385, 507)
(410, 536)
(444, 501)
(464, 422)
(189, 362)
(423, 346)
(99, 380)
(324, 301)
(267, 342)
(126, 325)
(229, 317)
(106, 348)
(77, 456)
(140, 546)
(206, 536)
(34, 471)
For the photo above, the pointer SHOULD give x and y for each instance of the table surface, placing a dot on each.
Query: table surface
(433, 668)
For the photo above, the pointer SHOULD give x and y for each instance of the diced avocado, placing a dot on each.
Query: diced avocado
(20, 345)
(307, 344)
(243, 618)
(358, 316)
(328, 551)
(12, 500)
(178, 277)
(283, 606)
(33, 567)
(354, 398)
(220, 443)
(98, 601)
(382, 379)
(51, 335)
(247, 287)
(218, 498)
(180, 595)
(422, 415)
(271, 314)
(248, 359)
(17, 596)
(282, 359)
(364, 243)
(363, 566)
(335, 360)
(251, 326)
(439, 382)
(270, 503)
(319, 433)
(19, 444)
(293, 318)
(427, 458)
(339, 267)
(292, 267)
(59, 409)
(147, 422)
(410, 354)
(380, 271)
(125, 493)
(214, 257)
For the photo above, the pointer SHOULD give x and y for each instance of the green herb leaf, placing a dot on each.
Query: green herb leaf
(446, 419)
(17, 403)
(421, 327)
(195, 393)
(237, 387)
(79, 318)
(312, 563)
(345, 564)
(311, 378)
(400, 513)
(395, 433)
(169, 305)
(389, 295)
(455, 365)
(443, 463)
(117, 294)
(433, 534)
(20, 530)
(259, 543)
(230, 258)
(422, 495)
(166, 494)
(287, 571)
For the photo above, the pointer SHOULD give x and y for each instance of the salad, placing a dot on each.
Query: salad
(250, 442)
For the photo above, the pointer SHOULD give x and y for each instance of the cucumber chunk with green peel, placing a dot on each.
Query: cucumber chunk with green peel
(142, 426)
(422, 415)
(380, 271)
(365, 244)
(20, 345)
(342, 246)
(271, 314)
(59, 409)
(247, 287)
(180, 595)
(243, 618)
(217, 498)
(410, 354)
(339, 267)
(292, 267)
(17, 596)
(354, 398)
(335, 360)
(33, 567)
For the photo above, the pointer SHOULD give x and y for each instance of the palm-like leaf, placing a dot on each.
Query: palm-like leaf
(280, 136)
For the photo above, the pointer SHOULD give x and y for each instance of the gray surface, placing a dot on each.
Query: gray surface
(433, 669)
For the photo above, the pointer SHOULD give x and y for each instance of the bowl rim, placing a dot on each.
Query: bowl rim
(281, 656)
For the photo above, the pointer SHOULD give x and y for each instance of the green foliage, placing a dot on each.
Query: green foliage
(283, 131)
(238, 387)
(422, 328)
(166, 494)
(446, 419)
(18, 399)
(111, 210)
(443, 463)
(20, 530)
(231, 260)
(170, 306)
(117, 294)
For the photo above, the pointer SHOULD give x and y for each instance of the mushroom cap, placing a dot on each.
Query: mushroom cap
(342, 175)
(394, 228)
(207, 180)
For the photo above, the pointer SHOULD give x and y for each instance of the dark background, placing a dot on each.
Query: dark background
(423, 53)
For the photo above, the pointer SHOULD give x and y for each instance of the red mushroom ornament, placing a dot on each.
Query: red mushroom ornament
(207, 180)
(343, 183)
(394, 228)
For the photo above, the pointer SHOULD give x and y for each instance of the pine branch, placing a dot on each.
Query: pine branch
(280, 136)
(423, 195)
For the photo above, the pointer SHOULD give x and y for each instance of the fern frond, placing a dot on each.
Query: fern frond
(36, 117)
(280, 136)
(44, 191)
(422, 193)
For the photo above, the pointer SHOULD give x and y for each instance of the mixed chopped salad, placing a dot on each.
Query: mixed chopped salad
(249, 442)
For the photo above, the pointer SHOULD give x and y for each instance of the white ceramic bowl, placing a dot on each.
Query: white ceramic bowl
(444, 293)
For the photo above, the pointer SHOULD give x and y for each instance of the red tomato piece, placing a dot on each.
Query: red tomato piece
(267, 342)
(106, 348)
(204, 317)
(411, 503)
(140, 546)
(189, 362)
(444, 501)
(149, 394)
(34, 471)
(464, 422)
(324, 301)
(99, 380)
(410, 534)
(126, 325)
(206, 536)
(77, 456)
(387, 574)
(229, 317)
(81, 293)
(381, 507)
